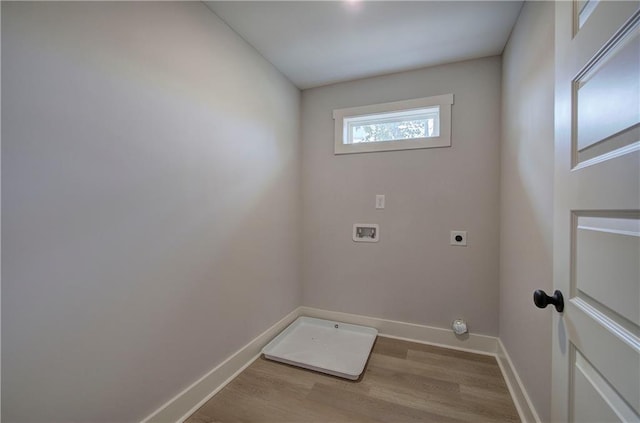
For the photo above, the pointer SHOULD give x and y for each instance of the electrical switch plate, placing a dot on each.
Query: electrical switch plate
(459, 238)
(379, 201)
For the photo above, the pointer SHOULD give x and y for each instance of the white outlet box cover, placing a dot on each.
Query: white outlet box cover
(366, 232)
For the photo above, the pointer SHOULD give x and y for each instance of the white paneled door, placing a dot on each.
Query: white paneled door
(596, 357)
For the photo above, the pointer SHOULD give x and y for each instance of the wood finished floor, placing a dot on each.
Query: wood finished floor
(403, 382)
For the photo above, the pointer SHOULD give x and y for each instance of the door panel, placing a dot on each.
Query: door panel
(594, 400)
(609, 348)
(596, 356)
(607, 93)
(607, 263)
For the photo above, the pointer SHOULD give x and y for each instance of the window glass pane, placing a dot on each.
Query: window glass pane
(395, 126)
(390, 131)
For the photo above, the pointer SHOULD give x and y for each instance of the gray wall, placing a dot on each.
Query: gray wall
(526, 207)
(151, 204)
(412, 274)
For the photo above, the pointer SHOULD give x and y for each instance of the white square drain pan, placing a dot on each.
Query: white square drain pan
(335, 348)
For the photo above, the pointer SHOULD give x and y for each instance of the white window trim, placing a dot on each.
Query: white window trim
(443, 140)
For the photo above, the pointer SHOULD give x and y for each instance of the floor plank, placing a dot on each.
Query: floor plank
(402, 382)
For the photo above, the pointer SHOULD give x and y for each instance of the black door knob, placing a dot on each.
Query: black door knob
(541, 300)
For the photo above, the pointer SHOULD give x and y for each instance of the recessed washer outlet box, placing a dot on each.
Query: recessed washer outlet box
(366, 232)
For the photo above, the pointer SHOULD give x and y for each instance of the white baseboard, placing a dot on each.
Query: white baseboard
(180, 407)
(411, 331)
(521, 399)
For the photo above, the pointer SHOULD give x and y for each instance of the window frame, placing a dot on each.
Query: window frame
(444, 102)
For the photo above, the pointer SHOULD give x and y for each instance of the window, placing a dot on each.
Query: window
(400, 125)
